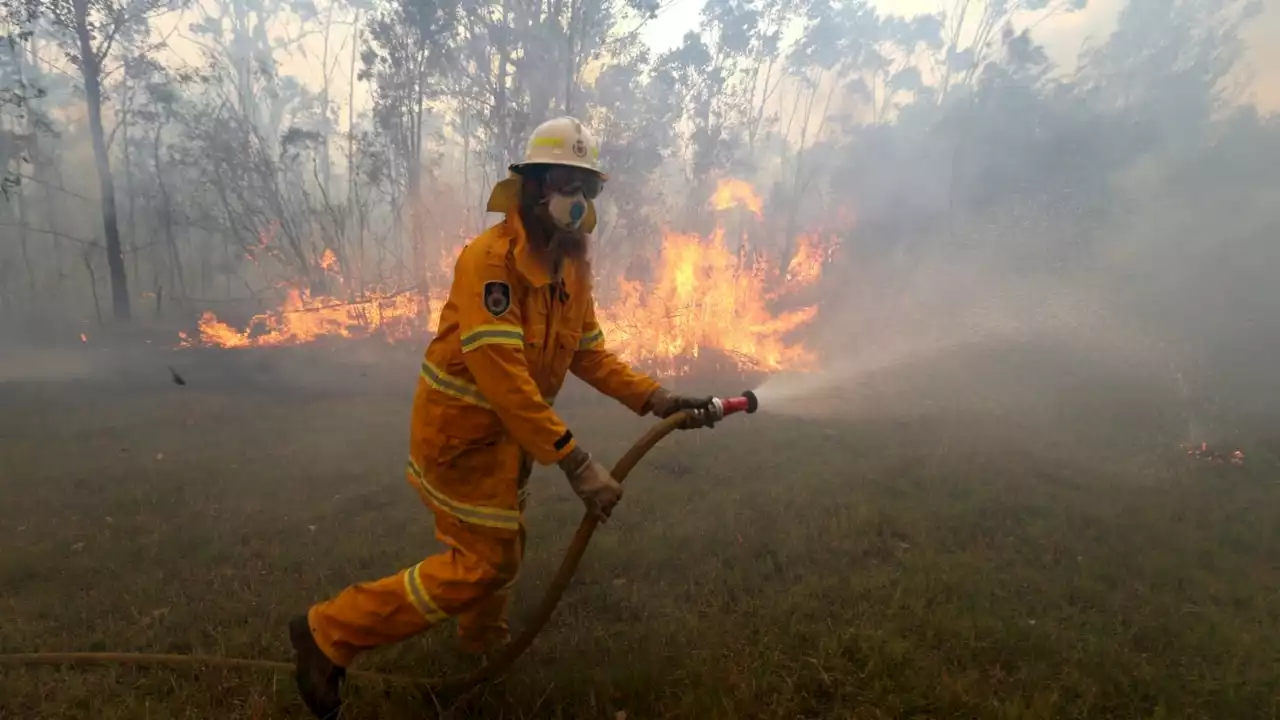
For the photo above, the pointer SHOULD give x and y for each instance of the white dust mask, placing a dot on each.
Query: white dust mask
(568, 211)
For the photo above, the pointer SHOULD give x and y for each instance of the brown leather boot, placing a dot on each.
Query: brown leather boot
(319, 680)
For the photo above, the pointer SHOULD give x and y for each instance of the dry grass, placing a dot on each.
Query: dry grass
(885, 567)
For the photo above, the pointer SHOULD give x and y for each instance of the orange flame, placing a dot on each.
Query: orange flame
(703, 302)
(811, 255)
(303, 319)
(732, 193)
(704, 299)
(329, 261)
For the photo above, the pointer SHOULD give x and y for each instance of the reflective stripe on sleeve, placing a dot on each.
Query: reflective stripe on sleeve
(592, 340)
(482, 335)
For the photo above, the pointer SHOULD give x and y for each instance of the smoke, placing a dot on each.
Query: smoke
(22, 362)
(1164, 343)
(1112, 210)
(914, 320)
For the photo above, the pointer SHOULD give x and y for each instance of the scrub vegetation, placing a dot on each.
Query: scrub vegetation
(1065, 562)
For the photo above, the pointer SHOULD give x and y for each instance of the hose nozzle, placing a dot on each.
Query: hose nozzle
(746, 402)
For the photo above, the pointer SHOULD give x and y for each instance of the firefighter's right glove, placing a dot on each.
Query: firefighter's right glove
(663, 403)
(592, 482)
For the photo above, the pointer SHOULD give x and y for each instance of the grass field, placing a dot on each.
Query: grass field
(917, 564)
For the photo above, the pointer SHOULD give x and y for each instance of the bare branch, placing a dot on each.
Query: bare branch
(55, 233)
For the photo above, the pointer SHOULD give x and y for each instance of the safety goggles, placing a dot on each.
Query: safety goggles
(571, 180)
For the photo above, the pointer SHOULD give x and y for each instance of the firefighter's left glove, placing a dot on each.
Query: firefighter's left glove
(592, 482)
(664, 404)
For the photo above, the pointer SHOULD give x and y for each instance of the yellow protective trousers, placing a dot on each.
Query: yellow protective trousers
(470, 581)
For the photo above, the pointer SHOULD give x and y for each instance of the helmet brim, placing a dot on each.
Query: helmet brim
(518, 167)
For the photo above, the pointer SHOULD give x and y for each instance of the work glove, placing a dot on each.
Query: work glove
(592, 482)
(664, 404)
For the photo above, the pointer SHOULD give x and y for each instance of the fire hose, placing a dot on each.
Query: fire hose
(438, 687)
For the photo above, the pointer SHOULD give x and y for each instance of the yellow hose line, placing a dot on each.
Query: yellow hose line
(163, 660)
(439, 686)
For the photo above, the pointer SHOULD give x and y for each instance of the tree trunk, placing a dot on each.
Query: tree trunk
(23, 128)
(131, 222)
(355, 229)
(788, 236)
(242, 48)
(91, 68)
(501, 126)
(176, 277)
(42, 170)
(23, 239)
(417, 273)
(93, 287)
(54, 210)
(326, 126)
(571, 56)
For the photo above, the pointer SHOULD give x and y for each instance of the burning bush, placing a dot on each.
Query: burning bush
(701, 302)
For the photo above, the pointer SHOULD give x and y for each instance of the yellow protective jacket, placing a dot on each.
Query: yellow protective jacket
(508, 335)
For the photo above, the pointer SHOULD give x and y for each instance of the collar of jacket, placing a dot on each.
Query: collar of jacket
(505, 199)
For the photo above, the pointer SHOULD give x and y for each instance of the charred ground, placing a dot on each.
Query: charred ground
(922, 559)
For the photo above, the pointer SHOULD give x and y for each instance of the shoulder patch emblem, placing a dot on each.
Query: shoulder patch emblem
(497, 297)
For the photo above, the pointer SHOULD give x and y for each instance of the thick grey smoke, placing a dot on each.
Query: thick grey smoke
(1117, 206)
(1108, 223)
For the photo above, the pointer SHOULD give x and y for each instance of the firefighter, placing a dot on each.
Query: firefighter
(520, 315)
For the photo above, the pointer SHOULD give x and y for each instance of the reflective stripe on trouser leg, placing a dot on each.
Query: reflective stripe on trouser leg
(478, 563)
(366, 615)
(485, 626)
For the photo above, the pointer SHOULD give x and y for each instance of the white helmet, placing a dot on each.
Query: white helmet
(562, 141)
